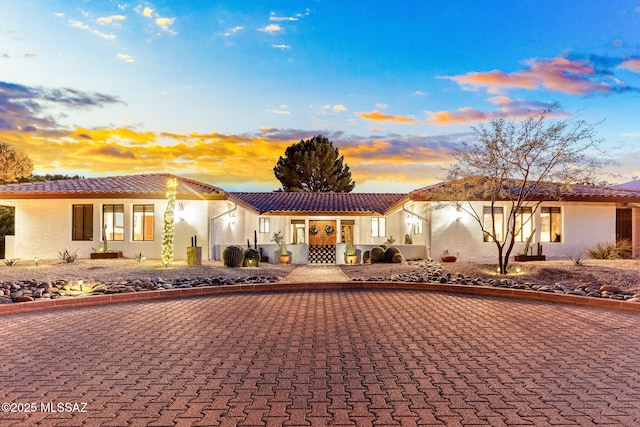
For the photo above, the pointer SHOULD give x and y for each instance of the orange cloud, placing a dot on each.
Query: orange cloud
(507, 106)
(554, 75)
(631, 64)
(462, 116)
(381, 117)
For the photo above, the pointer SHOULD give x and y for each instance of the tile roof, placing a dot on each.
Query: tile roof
(631, 185)
(573, 192)
(148, 186)
(320, 203)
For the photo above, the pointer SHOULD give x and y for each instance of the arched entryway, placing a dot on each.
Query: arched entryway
(322, 241)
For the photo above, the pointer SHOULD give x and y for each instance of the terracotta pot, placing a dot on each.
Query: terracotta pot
(285, 259)
(351, 259)
(449, 258)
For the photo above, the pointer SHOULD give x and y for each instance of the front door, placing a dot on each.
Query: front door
(322, 242)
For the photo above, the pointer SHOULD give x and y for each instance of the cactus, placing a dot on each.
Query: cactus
(366, 257)
(251, 258)
(389, 253)
(233, 256)
(377, 254)
(397, 258)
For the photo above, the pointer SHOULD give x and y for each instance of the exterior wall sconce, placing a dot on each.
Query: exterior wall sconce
(36, 260)
(181, 211)
(232, 218)
(458, 213)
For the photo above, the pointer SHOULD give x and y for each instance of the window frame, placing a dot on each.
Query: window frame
(552, 211)
(117, 211)
(298, 224)
(495, 212)
(264, 225)
(380, 227)
(86, 229)
(528, 222)
(144, 225)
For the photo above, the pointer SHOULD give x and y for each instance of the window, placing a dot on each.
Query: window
(523, 224)
(488, 218)
(378, 227)
(416, 223)
(550, 225)
(298, 231)
(113, 218)
(264, 225)
(142, 222)
(346, 231)
(82, 222)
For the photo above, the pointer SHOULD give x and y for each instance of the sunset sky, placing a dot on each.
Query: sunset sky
(216, 90)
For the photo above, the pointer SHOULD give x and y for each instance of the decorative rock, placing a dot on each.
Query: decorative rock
(611, 288)
(23, 298)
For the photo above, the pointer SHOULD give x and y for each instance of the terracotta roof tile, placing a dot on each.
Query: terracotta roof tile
(134, 186)
(574, 192)
(320, 203)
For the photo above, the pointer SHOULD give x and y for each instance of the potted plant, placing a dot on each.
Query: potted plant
(278, 239)
(350, 255)
(448, 258)
(104, 252)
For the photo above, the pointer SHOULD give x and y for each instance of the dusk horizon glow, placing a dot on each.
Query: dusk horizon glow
(216, 91)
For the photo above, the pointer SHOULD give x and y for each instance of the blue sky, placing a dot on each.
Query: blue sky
(216, 90)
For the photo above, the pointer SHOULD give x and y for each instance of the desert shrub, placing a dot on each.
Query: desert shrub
(233, 256)
(577, 259)
(11, 262)
(389, 253)
(68, 257)
(377, 254)
(251, 258)
(609, 250)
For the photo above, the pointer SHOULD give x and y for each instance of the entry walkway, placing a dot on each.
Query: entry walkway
(316, 274)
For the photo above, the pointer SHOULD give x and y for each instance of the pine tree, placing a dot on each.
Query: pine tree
(313, 165)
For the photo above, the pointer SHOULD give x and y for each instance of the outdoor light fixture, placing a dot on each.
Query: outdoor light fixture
(36, 260)
(458, 213)
(232, 218)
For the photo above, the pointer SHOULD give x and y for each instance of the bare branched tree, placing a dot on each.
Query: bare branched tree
(520, 164)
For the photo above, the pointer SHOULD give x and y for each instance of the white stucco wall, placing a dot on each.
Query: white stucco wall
(43, 227)
(583, 224)
(236, 227)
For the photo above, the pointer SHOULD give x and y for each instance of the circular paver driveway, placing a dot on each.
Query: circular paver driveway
(368, 357)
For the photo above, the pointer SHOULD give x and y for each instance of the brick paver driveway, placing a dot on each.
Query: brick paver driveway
(367, 357)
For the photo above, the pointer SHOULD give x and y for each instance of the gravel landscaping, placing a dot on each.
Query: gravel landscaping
(615, 279)
(52, 279)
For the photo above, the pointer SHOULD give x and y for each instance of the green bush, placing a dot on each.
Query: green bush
(366, 257)
(377, 254)
(397, 258)
(389, 253)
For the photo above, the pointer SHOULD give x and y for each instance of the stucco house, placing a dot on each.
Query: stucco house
(564, 225)
(69, 214)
